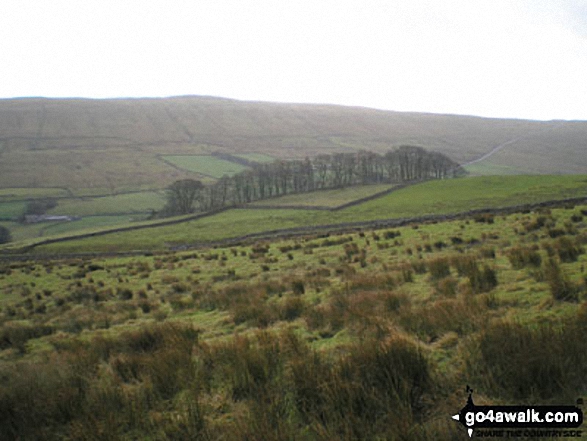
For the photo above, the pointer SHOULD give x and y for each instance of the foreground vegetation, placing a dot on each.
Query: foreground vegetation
(370, 335)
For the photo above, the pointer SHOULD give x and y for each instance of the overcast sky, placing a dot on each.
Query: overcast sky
(498, 58)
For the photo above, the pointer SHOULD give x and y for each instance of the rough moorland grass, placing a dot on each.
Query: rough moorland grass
(205, 165)
(433, 197)
(308, 338)
(110, 170)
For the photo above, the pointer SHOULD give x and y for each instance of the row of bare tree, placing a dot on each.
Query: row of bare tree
(338, 170)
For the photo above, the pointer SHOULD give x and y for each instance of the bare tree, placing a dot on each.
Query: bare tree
(5, 236)
(182, 195)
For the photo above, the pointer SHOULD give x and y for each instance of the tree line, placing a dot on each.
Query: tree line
(325, 171)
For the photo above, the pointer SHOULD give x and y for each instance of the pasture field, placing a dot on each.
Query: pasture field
(89, 223)
(139, 202)
(256, 157)
(19, 194)
(97, 212)
(29, 233)
(368, 335)
(205, 165)
(432, 197)
(22, 233)
(456, 195)
(485, 168)
(11, 210)
(325, 198)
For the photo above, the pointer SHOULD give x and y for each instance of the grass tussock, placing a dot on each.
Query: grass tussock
(354, 341)
(161, 383)
(543, 363)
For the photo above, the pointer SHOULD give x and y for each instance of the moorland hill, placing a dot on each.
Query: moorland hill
(123, 143)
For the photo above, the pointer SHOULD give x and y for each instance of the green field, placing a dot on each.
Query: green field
(205, 165)
(456, 195)
(256, 157)
(97, 212)
(297, 338)
(23, 232)
(486, 168)
(432, 197)
(325, 198)
(142, 202)
(89, 223)
(11, 210)
(10, 194)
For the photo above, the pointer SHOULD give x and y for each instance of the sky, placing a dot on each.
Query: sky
(495, 58)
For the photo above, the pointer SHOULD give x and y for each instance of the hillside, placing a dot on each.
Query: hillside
(364, 335)
(107, 146)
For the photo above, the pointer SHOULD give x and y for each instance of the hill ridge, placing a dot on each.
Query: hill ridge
(136, 130)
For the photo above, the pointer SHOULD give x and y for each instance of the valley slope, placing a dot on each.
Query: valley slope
(109, 146)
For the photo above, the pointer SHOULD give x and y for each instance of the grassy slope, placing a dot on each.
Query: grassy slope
(104, 323)
(10, 194)
(115, 145)
(433, 197)
(325, 198)
(142, 202)
(97, 212)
